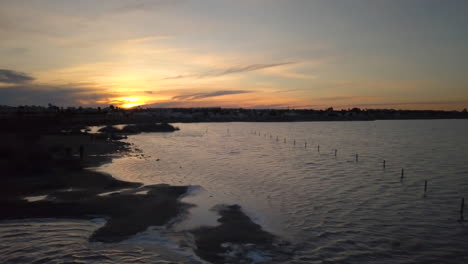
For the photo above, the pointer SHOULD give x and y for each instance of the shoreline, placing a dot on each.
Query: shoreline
(56, 168)
(142, 114)
(73, 190)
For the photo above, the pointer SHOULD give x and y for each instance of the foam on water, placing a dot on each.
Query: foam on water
(177, 243)
(35, 198)
(245, 253)
(201, 214)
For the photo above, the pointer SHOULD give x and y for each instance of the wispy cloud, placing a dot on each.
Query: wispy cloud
(198, 96)
(271, 106)
(336, 98)
(413, 103)
(10, 76)
(253, 67)
(43, 94)
(287, 90)
(148, 39)
(180, 77)
(231, 70)
(140, 5)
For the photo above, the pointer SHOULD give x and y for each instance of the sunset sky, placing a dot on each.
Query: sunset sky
(410, 54)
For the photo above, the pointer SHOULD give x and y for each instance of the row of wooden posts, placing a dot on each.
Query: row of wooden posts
(462, 204)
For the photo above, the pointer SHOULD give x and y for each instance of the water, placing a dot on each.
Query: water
(66, 241)
(333, 209)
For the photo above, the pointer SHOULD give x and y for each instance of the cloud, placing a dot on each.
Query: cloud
(423, 103)
(231, 70)
(271, 106)
(287, 90)
(197, 96)
(14, 51)
(10, 76)
(67, 95)
(253, 67)
(170, 104)
(148, 39)
(145, 6)
(180, 77)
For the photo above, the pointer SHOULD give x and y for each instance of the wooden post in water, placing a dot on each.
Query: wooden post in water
(425, 187)
(402, 174)
(318, 148)
(294, 142)
(462, 206)
(284, 140)
(384, 164)
(81, 152)
(336, 152)
(357, 157)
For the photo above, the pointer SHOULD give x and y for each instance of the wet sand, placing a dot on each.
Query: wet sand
(51, 166)
(55, 167)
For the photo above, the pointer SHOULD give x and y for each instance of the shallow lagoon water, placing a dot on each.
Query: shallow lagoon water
(66, 241)
(333, 209)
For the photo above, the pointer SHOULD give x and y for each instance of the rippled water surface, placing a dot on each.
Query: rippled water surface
(66, 241)
(334, 209)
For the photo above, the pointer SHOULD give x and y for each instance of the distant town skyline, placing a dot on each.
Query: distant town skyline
(250, 54)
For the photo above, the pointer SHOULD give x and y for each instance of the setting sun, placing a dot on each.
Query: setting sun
(129, 102)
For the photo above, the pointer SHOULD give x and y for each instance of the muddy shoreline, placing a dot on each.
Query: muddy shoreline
(57, 166)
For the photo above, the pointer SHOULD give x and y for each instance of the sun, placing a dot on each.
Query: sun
(129, 102)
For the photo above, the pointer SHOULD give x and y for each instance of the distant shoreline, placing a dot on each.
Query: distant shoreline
(14, 116)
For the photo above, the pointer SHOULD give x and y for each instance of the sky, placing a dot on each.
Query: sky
(402, 54)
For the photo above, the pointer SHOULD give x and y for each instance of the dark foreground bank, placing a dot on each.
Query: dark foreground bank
(54, 163)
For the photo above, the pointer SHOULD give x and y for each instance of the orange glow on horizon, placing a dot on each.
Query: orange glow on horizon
(129, 102)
